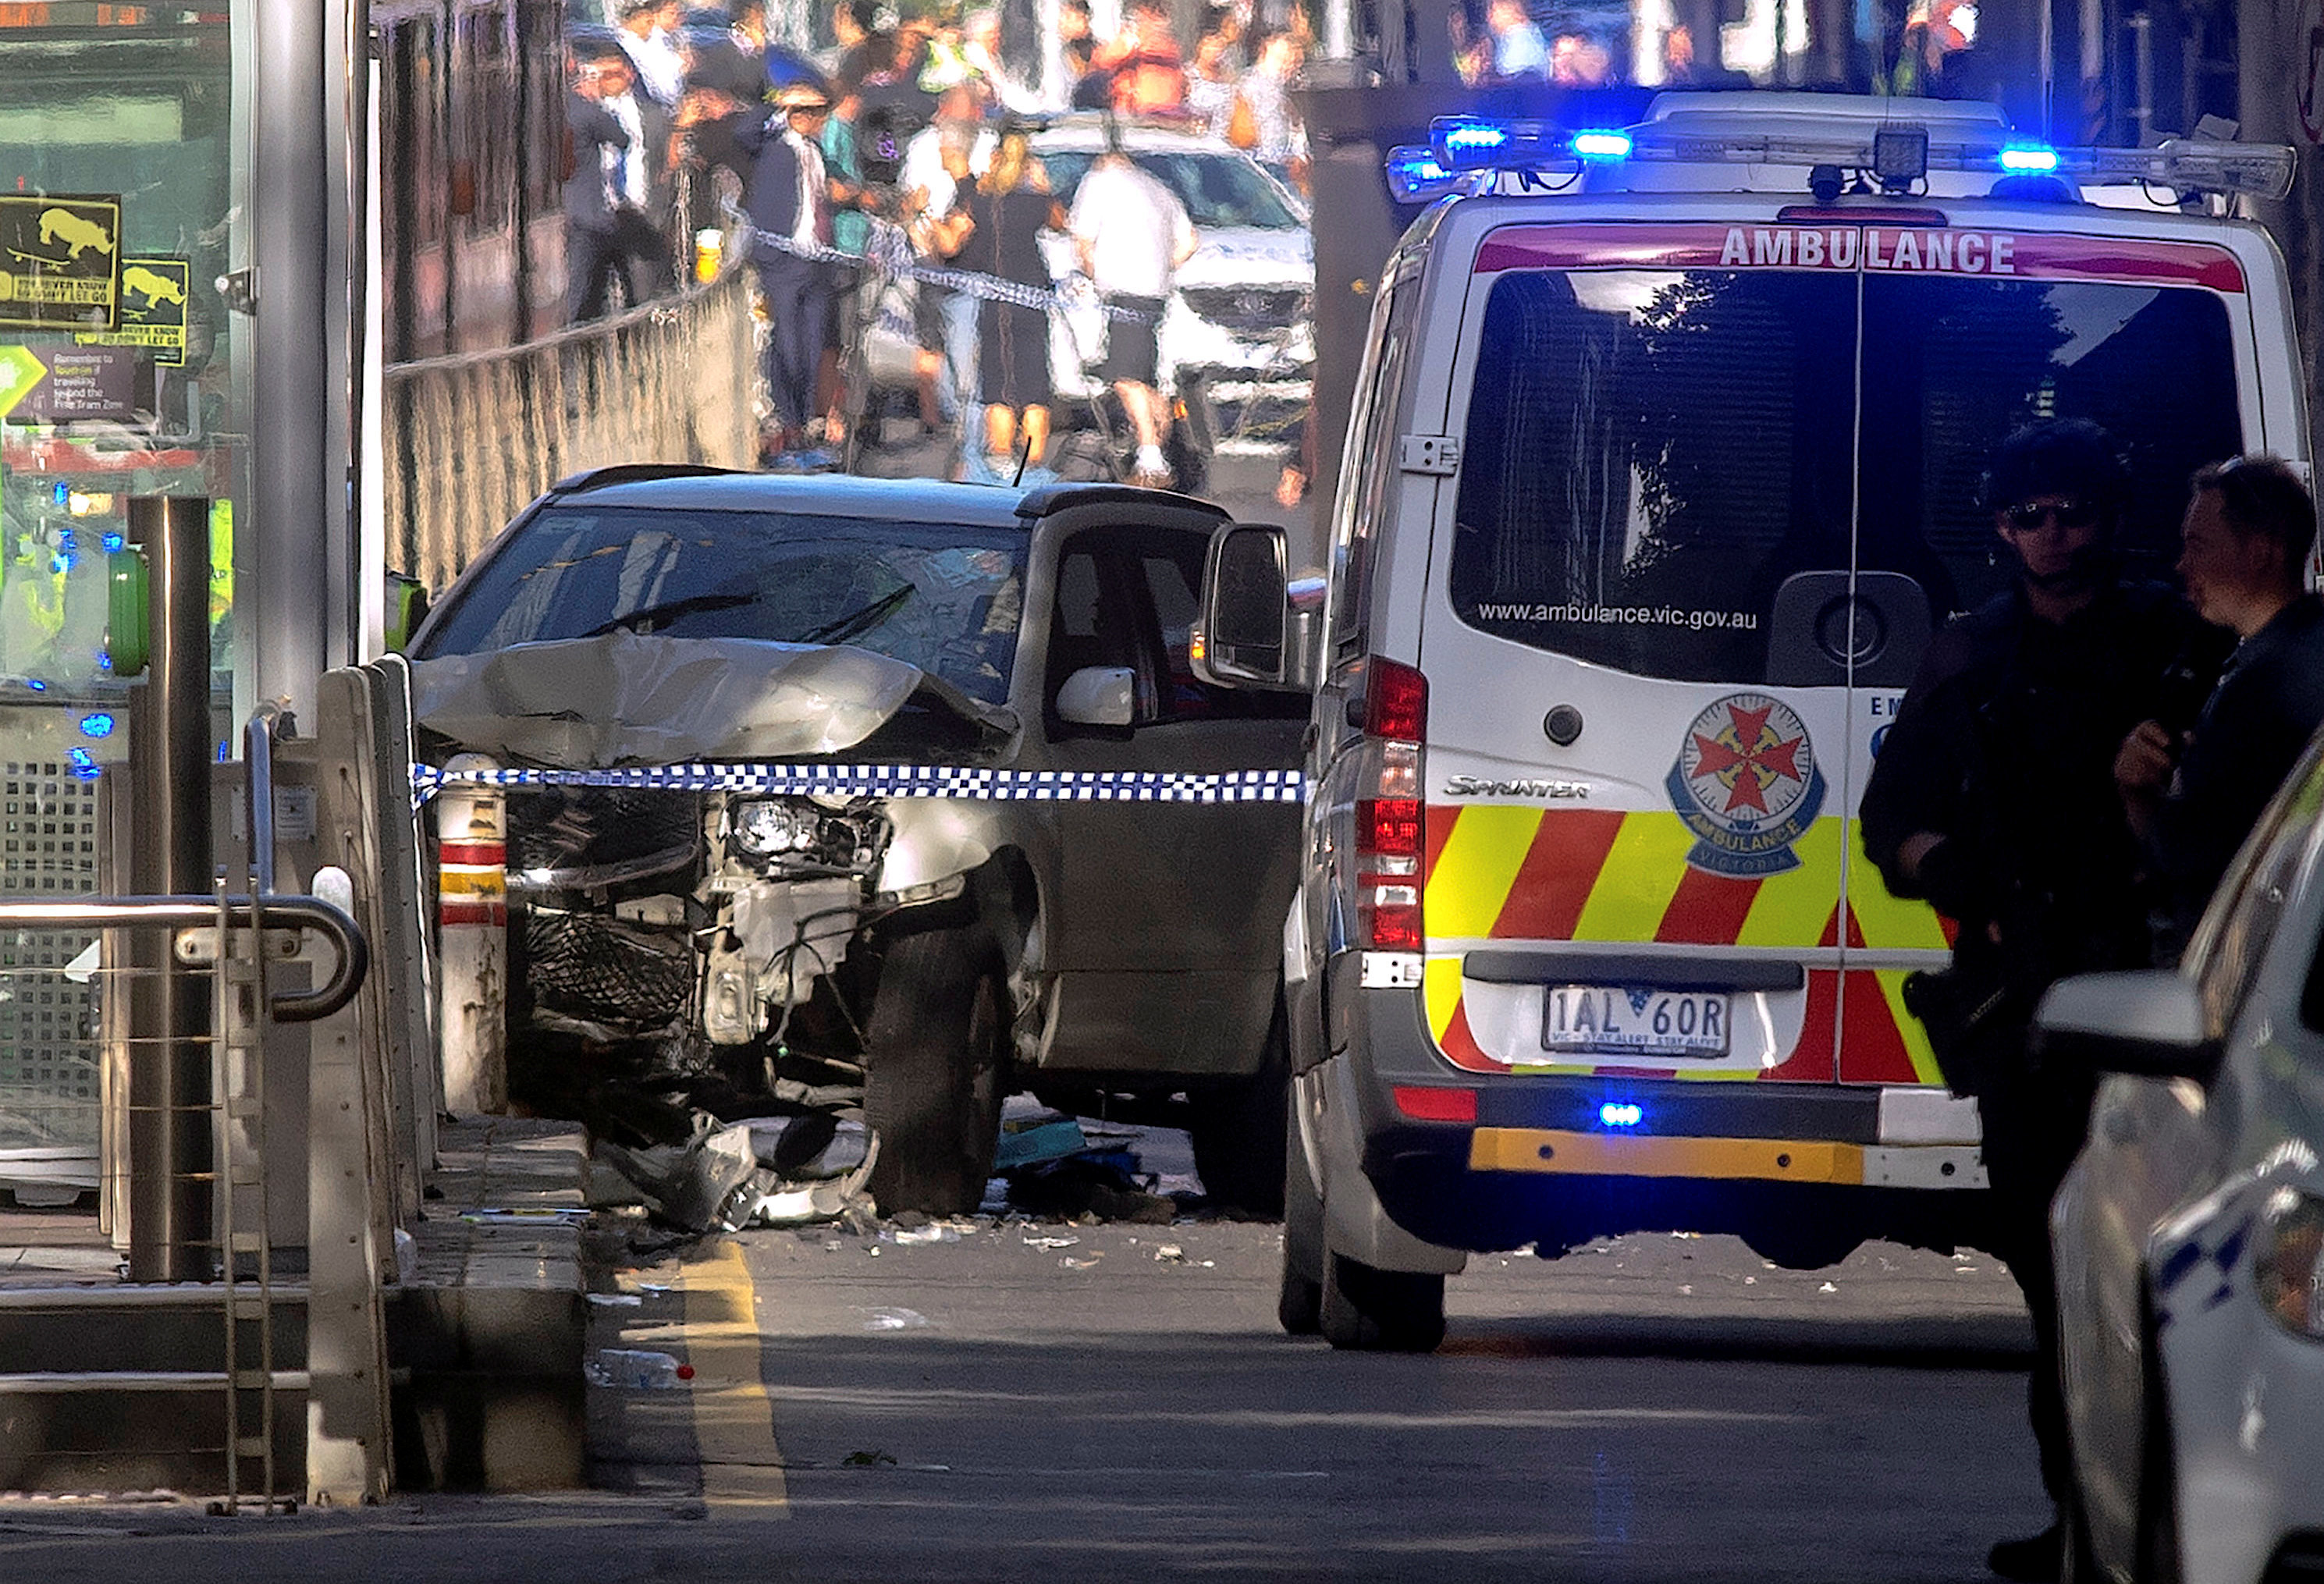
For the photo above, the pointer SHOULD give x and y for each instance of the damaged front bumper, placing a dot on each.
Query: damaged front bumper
(711, 917)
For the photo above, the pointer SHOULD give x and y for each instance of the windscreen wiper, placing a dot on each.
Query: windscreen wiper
(856, 622)
(686, 606)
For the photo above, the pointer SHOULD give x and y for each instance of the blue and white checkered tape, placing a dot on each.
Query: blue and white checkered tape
(989, 786)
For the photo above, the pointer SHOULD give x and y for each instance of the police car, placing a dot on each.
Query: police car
(1661, 471)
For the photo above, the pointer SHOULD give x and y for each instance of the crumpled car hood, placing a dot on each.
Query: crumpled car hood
(630, 699)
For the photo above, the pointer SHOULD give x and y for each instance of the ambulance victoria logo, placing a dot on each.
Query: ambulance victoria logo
(1745, 782)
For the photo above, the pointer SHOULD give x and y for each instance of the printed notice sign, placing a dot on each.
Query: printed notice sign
(59, 263)
(154, 296)
(77, 382)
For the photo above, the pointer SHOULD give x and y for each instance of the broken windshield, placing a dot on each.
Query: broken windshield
(943, 597)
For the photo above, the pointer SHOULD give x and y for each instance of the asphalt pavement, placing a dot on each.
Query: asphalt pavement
(1005, 1399)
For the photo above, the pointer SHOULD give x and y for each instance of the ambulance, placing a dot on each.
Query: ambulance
(1662, 468)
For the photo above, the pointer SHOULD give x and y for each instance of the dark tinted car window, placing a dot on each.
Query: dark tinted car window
(1952, 365)
(947, 599)
(1650, 453)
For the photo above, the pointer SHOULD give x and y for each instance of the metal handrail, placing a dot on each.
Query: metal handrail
(258, 787)
(307, 912)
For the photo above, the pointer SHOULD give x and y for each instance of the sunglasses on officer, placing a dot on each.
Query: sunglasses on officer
(2071, 511)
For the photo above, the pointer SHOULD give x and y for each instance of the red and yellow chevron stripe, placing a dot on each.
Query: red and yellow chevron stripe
(1507, 872)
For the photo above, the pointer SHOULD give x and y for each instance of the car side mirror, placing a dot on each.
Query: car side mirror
(1246, 631)
(2150, 1024)
(1099, 696)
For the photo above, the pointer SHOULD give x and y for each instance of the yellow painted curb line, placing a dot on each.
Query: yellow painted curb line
(733, 1414)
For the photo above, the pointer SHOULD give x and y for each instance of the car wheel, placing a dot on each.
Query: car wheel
(933, 1078)
(1237, 1130)
(1374, 1311)
(1299, 1300)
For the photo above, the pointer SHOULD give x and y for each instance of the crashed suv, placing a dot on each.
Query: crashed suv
(782, 914)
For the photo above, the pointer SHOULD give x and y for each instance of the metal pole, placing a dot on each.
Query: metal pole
(171, 1217)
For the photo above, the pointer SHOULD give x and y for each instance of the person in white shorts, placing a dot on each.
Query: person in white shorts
(1131, 234)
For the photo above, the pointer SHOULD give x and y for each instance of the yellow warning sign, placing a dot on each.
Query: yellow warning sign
(59, 263)
(153, 297)
(20, 371)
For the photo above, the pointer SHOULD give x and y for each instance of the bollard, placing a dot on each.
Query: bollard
(471, 921)
(172, 1220)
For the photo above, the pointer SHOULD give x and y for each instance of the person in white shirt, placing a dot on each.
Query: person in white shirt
(980, 32)
(940, 162)
(649, 37)
(1130, 235)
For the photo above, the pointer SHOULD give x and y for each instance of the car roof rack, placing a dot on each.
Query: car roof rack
(635, 472)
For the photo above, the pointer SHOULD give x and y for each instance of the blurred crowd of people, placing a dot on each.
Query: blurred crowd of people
(917, 122)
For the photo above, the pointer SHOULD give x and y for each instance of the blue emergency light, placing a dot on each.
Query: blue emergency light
(1464, 142)
(99, 724)
(1416, 176)
(1463, 145)
(1620, 1114)
(1602, 144)
(2029, 159)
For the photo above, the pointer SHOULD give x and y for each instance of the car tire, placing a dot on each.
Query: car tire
(933, 1074)
(1237, 1130)
(1369, 1311)
(1299, 1298)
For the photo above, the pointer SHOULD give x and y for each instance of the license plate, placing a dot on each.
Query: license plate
(1605, 1018)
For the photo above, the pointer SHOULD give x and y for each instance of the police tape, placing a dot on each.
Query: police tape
(953, 781)
(889, 254)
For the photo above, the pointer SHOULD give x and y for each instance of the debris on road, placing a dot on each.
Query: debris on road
(1101, 1182)
(1028, 1141)
(636, 1368)
(786, 1171)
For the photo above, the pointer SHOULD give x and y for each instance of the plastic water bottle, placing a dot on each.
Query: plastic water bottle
(636, 1369)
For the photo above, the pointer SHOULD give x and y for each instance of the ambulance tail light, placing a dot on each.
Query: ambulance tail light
(1396, 701)
(1390, 837)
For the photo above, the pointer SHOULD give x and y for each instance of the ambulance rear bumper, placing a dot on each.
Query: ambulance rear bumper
(1559, 1159)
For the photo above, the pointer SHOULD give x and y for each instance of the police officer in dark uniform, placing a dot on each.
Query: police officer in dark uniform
(2194, 797)
(1993, 798)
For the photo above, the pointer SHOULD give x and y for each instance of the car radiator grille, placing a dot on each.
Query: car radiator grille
(579, 960)
(606, 970)
(1249, 310)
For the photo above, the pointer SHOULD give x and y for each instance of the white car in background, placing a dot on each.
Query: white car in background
(2190, 1234)
(1239, 334)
